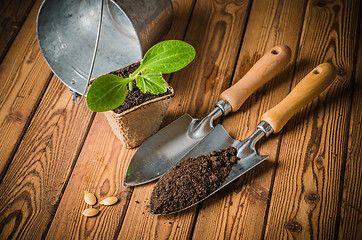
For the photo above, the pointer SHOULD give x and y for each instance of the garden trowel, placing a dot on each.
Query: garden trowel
(272, 122)
(162, 150)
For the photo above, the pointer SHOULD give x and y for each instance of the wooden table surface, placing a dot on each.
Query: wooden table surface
(310, 188)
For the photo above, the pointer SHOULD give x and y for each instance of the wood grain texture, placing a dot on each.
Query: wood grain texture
(238, 211)
(24, 76)
(215, 30)
(33, 184)
(182, 10)
(12, 17)
(306, 189)
(99, 170)
(351, 209)
(140, 224)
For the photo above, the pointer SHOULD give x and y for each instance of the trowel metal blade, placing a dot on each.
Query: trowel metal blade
(219, 139)
(162, 150)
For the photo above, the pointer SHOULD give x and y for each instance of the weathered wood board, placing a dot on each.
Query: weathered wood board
(307, 185)
(350, 224)
(24, 75)
(35, 180)
(99, 169)
(12, 16)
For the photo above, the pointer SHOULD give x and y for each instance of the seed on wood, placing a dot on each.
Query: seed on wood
(90, 212)
(109, 201)
(89, 198)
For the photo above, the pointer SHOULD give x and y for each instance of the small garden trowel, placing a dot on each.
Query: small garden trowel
(161, 151)
(272, 122)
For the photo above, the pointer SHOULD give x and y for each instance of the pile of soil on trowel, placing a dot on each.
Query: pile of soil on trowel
(191, 180)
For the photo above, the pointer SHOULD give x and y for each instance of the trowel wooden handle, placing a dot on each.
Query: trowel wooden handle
(264, 70)
(305, 91)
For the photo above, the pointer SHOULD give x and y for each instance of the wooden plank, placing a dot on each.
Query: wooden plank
(215, 30)
(182, 10)
(238, 211)
(351, 209)
(306, 191)
(33, 184)
(100, 169)
(12, 16)
(24, 76)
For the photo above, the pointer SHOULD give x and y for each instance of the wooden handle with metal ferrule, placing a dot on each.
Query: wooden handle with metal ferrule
(306, 90)
(262, 71)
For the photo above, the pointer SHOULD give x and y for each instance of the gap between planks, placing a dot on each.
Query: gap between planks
(309, 210)
(24, 76)
(348, 225)
(43, 163)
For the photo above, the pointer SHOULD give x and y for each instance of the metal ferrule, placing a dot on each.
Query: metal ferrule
(224, 106)
(249, 143)
(265, 127)
(262, 129)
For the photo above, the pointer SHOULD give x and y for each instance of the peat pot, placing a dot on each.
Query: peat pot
(133, 126)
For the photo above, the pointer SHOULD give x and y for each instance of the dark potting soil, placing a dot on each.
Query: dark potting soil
(135, 97)
(191, 180)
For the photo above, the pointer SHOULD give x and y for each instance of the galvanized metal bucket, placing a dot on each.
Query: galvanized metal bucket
(67, 32)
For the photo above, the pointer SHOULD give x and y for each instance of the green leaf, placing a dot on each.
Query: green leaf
(151, 81)
(106, 93)
(168, 56)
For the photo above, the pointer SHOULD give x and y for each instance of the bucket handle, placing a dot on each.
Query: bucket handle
(93, 58)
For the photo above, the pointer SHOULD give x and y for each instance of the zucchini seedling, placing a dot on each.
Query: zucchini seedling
(108, 92)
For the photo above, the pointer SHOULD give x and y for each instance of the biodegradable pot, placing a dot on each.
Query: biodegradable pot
(133, 126)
